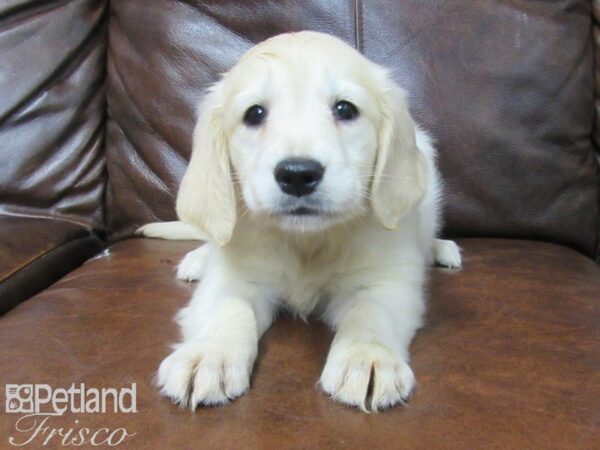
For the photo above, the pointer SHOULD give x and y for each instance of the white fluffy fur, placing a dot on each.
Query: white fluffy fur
(172, 230)
(360, 263)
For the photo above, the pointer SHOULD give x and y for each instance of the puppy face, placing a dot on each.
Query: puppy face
(302, 139)
(303, 132)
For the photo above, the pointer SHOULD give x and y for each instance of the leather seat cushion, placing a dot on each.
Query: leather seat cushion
(509, 357)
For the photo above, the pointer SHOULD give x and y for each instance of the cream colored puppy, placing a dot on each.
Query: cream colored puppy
(318, 194)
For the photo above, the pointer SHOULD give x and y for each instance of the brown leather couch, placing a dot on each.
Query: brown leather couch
(96, 110)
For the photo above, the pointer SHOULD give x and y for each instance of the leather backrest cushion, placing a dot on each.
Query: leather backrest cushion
(52, 109)
(506, 88)
(596, 134)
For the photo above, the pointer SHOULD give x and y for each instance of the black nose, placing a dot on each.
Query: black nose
(298, 176)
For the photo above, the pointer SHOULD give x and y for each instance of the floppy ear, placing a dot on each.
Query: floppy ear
(206, 197)
(400, 173)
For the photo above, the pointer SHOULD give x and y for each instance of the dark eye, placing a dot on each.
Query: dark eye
(255, 115)
(344, 110)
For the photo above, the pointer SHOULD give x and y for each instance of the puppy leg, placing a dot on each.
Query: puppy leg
(220, 328)
(171, 230)
(193, 264)
(367, 365)
(447, 254)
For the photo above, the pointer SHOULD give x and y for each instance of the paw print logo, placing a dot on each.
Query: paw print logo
(19, 398)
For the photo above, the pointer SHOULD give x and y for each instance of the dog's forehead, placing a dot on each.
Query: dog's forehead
(303, 55)
(304, 44)
(308, 62)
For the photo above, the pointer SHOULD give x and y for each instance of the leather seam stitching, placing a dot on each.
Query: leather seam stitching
(358, 25)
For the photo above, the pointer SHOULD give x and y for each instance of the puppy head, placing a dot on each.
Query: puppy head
(303, 132)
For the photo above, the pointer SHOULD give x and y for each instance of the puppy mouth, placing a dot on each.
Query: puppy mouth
(305, 207)
(304, 219)
(306, 215)
(302, 211)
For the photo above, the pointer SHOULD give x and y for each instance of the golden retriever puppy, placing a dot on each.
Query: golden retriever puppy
(317, 193)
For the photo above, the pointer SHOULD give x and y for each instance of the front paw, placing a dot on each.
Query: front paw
(193, 264)
(204, 373)
(447, 254)
(368, 375)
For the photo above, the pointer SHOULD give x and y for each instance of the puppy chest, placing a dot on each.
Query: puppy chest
(303, 292)
(308, 285)
(301, 277)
